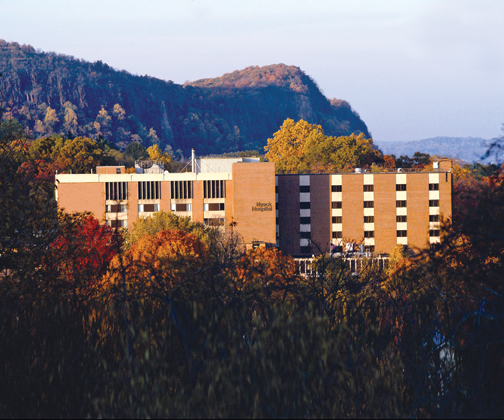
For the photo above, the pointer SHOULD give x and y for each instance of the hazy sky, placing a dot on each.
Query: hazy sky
(411, 68)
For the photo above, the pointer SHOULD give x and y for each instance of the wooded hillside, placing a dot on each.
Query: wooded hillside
(51, 93)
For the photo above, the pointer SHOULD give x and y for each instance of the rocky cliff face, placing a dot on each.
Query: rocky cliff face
(52, 93)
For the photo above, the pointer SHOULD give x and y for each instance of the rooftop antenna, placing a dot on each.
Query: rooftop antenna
(193, 161)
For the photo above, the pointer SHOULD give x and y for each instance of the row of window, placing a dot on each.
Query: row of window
(400, 234)
(151, 208)
(149, 190)
(370, 187)
(399, 219)
(370, 204)
(214, 189)
(365, 248)
(182, 190)
(117, 191)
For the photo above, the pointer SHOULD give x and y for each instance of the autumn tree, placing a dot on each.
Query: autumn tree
(71, 123)
(29, 212)
(79, 155)
(161, 263)
(82, 251)
(287, 146)
(160, 221)
(156, 154)
(302, 147)
(50, 120)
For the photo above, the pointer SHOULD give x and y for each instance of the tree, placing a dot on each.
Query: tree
(159, 263)
(153, 138)
(29, 210)
(136, 151)
(80, 155)
(70, 121)
(50, 120)
(102, 123)
(119, 112)
(160, 221)
(286, 148)
(83, 250)
(156, 154)
(302, 147)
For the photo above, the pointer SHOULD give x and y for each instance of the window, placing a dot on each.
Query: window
(214, 222)
(402, 233)
(149, 190)
(116, 224)
(401, 219)
(337, 235)
(336, 204)
(304, 205)
(434, 218)
(401, 203)
(116, 191)
(368, 234)
(368, 188)
(118, 171)
(369, 248)
(368, 204)
(305, 235)
(304, 220)
(148, 208)
(181, 207)
(336, 188)
(181, 190)
(305, 250)
(433, 187)
(213, 207)
(337, 219)
(216, 189)
(368, 219)
(434, 233)
(304, 189)
(400, 187)
(433, 203)
(115, 208)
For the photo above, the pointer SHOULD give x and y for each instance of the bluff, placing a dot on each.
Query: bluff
(53, 93)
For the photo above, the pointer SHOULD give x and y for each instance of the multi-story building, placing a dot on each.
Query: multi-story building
(300, 214)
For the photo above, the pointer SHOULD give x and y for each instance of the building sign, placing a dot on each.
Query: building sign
(263, 207)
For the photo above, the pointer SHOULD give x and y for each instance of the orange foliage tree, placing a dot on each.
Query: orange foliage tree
(159, 264)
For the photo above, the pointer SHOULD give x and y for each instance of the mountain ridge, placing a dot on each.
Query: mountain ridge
(53, 93)
(468, 149)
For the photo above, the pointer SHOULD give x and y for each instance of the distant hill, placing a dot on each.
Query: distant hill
(52, 93)
(469, 149)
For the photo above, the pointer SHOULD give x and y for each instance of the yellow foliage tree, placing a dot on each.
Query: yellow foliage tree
(155, 153)
(304, 148)
(287, 146)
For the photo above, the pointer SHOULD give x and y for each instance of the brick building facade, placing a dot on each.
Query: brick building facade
(300, 214)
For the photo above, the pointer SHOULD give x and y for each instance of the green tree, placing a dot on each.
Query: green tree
(136, 151)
